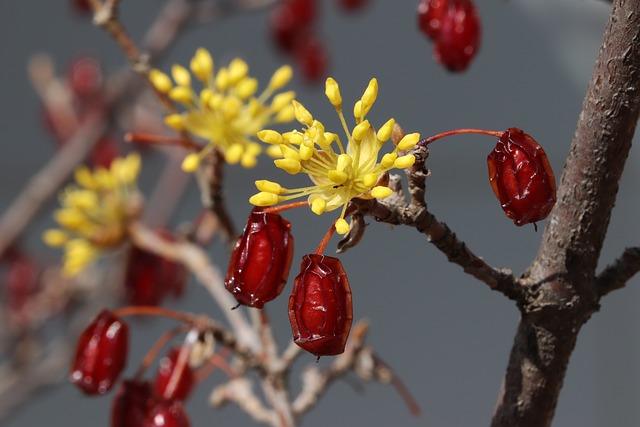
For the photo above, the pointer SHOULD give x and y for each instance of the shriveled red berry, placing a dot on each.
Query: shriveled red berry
(351, 5)
(132, 404)
(167, 370)
(430, 16)
(261, 259)
(459, 38)
(150, 278)
(313, 58)
(166, 413)
(101, 354)
(320, 309)
(521, 177)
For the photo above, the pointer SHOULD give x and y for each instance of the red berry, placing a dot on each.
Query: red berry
(430, 16)
(261, 259)
(352, 5)
(313, 58)
(320, 309)
(101, 354)
(459, 38)
(291, 22)
(85, 77)
(81, 6)
(104, 152)
(521, 177)
(183, 382)
(166, 413)
(305, 11)
(21, 281)
(132, 404)
(150, 278)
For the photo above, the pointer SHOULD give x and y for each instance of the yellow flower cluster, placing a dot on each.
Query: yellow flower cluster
(95, 212)
(338, 176)
(225, 112)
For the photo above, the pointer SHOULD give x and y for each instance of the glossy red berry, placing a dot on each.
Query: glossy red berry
(101, 354)
(320, 309)
(458, 40)
(521, 177)
(132, 404)
(183, 381)
(150, 278)
(166, 413)
(261, 259)
(430, 16)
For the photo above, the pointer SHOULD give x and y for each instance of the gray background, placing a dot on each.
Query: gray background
(447, 336)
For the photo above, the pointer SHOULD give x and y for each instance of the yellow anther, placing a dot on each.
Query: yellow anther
(318, 205)
(231, 107)
(384, 133)
(342, 227)
(380, 192)
(270, 136)
(370, 93)
(360, 130)
(81, 199)
(175, 121)
(408, 141)
(289, 153)
(70, 218)
(344, 161)
(306, 152)
(337, 177)
(181, 75)
(294, 137)
(388, 159)
(202, 65)
(285, 115)
(191, 162)
(302, 114)
(357, 111)
(233, 154)
(248, 160)
(291, 166)
(181, 94)
(281, 77)
(370, 179)
(274, 152)
(238, 69)
(222, 79)
(160, 81)
(84, 178)
(282, 100)
(55, 238)
(332, 90)
(247, 87)
(264, 199)
(269, 186)
(404, 161)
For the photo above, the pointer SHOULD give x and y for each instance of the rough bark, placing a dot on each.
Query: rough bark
(561, 287)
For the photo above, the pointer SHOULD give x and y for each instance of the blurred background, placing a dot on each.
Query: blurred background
(445, 335)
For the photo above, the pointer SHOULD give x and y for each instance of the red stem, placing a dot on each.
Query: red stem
(280, 208)
(217, 360)
(433, 138)
(149, 138)
(155, 349)
(325, 240)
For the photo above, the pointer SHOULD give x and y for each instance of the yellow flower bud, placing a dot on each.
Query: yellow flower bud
(380, 192)
(302, 114)
(181, 76)
(360, 130)
(269, 186)
(270, 136)
(55, 238)
(342, 227)
(404, 161)
(264, 199)
(291, 166)
(408, 141)
(281, 77)
(191, 162)
(160, 81)
(332, 90)
(384, 133)
(318, 205)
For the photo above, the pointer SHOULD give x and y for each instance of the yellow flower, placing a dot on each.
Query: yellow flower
(95, 212)
(339, 173)
(225, 112)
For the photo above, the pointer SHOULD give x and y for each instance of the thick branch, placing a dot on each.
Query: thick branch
(561, 281)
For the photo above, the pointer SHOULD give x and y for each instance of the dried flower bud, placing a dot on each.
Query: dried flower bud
(521, 177)
(261, 259)
(320, 309)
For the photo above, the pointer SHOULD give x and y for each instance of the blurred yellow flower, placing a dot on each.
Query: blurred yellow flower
(95, 212)
(339, 174)
(225, 112)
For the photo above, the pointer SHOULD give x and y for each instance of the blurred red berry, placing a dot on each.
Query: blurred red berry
(305, 11)
(183, 381)
(150, 278)
(166, 413)
(521, 177)
(132, 404)
(430, 15)
(313, 58)
(85, 77)
(101, 354)
(291, 22)
(459, 38)
(261, 259)
(320, 309)
(352, 5)
(104, 152)
(81, 6)
(20, 281)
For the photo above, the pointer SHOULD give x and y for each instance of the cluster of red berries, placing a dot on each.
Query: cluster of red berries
(100, 358)
(454, 27)
(320, 309)
(292, 25)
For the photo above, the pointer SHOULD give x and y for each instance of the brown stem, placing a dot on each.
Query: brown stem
(616, 275)
(561, 286)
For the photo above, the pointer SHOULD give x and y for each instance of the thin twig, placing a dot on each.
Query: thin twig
(617, 274)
